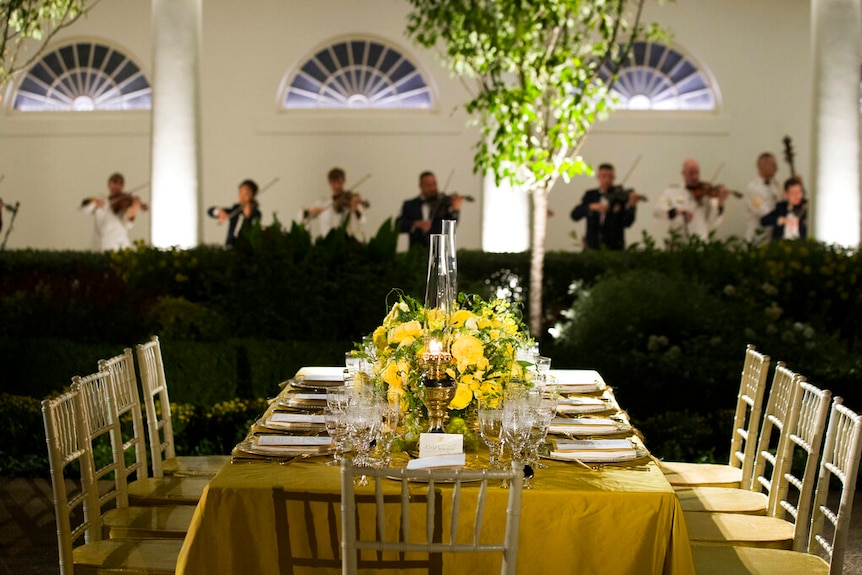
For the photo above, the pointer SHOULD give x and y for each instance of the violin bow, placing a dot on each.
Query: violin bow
(136, 188)
(448, 180)
(361, 181)
(718, 171)
(631, 169)
(268, 185)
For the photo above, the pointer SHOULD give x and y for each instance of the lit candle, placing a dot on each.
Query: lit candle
(435, 347)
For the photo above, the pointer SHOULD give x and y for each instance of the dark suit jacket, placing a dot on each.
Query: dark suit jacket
(611, 233)
(411, 211)
(780, 211)
(234, 221)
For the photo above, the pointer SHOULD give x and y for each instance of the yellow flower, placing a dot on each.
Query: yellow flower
(463, 397)
(436, 318)
(461, 317)
(391, 376)
(379, 337)
(400, 332)
(467, 350)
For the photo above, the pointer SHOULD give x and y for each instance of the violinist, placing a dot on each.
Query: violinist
(697, 208)
(790, 217)
(609, 209)
(246, 210)
(422, 216)
(342, 208)
(113, 216)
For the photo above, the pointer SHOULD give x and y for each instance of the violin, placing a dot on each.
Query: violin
(707, 190)
(619, 194)
(123, 201)
(344, 201)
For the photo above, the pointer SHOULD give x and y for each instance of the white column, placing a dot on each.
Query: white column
(836, 49)
(175, 178)
(505, 218)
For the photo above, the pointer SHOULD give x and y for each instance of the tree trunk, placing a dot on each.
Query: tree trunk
(537, 259)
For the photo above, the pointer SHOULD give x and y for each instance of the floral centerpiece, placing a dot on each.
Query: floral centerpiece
(483, 338)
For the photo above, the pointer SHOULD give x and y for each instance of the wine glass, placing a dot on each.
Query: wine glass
(336, 426)
(390, 419)
(543, 366)
(491, 428)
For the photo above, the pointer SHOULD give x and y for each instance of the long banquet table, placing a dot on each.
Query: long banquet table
(607, 520)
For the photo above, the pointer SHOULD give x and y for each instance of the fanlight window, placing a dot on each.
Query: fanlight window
(358, 74)
(656, 77)
(83, 77)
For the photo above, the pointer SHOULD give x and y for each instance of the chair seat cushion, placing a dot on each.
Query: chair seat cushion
(722, 499)
(167, 491)
(701, 474)
(744, 530)
(163, 522)
(194, 465)
(127, 557)
(711, 560)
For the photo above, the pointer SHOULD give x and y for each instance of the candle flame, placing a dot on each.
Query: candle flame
(435, 347)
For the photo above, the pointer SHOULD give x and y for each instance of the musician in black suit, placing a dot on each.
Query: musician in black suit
(790, 217)
(609, 211)
(244, 211)
(423, 216)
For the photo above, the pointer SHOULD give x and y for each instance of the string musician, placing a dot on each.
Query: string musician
(245, 210)
(341, 208)
(422, 216)
(697, 208)
(113, 216)
(790, 217)
(609, 210)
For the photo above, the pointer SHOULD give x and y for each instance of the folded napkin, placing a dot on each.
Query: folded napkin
(292, 440)
(584, 426)
(578, 380)
(278, 420)
(594, 450)
(319, 373)
(582, 405)
(302, 399)
(454, 460)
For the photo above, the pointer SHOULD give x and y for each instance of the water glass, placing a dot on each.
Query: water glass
(491, 428)
(336, 427)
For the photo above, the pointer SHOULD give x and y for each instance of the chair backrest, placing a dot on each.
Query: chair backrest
(155, 390)
(806, 427)
(122, 368)
(67, 440)
(746, 420)
(773, 433)
(431, 542)
(104, 433)
(841, 457)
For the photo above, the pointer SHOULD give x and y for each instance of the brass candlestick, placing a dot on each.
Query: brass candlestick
(439, 389)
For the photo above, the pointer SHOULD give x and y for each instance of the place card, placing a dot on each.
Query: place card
(452, 460)
(432, 444)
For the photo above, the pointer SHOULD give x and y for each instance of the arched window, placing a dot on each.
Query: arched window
(83, 77)
(357, 73)
(656, 77)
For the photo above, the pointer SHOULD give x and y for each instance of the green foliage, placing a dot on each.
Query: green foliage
(536, 66)
(23, 450)
(32, 23)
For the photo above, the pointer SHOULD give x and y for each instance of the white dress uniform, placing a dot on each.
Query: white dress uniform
(110, 230)
(706, 213)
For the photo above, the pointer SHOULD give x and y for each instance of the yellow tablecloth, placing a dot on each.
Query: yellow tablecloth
(575, 520)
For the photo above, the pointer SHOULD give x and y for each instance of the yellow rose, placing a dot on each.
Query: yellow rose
(391, 376)
(467, 350)
(461, 316)
(463, 397)
(379, 337)
(405, 330)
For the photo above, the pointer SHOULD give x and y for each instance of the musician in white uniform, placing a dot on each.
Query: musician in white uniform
(696, 209)
(112, 216)
(761, 196)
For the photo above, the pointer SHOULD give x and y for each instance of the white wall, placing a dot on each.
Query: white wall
(757, 50)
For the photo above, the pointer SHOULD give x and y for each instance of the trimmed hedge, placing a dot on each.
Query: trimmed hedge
(666, 327)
